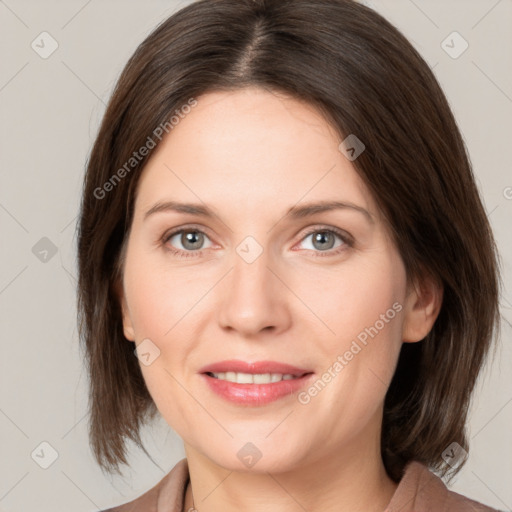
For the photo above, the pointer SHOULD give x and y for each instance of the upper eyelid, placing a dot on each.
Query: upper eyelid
(173, 232)
(337, 231)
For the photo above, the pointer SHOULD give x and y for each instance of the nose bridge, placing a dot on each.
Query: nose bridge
(254, 298)
(250, 273)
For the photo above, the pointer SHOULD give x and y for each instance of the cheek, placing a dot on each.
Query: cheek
(355, 297)
(165, 304)
(159, 311)
(363, 307)
(159, 295)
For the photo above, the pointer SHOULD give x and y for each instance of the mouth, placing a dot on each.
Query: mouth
(254, 378)
(254, 384)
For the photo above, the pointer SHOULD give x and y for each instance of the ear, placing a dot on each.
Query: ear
(422, 306)
(129, 332)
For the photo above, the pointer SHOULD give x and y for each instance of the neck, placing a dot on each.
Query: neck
(352, 479)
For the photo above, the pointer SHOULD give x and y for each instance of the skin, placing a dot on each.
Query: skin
(251, 155)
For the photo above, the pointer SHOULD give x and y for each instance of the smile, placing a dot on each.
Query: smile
(254, 389)
(252, 378)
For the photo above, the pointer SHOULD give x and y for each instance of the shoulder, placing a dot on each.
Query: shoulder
(420, 490)
(166, 495)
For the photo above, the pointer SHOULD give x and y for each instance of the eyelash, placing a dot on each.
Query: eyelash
(346, 239)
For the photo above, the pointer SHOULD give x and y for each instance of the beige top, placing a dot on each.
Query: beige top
(419, 490)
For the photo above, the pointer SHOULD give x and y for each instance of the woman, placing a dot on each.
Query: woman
(241, 137)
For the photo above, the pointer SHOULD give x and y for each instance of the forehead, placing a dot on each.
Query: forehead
(253, 149)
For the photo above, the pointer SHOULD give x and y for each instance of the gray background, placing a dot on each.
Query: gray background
(51, 108)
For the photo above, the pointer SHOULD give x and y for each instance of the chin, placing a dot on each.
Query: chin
(256, 456)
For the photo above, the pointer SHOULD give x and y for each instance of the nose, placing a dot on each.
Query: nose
(253, 298)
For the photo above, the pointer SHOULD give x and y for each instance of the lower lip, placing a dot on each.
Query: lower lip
(255, 394)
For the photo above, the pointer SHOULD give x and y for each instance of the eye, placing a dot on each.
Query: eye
(190, 239)
(323, 240)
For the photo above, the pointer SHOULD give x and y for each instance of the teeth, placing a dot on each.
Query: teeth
(252, 378)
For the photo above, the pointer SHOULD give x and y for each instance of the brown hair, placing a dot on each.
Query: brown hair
(368, 80)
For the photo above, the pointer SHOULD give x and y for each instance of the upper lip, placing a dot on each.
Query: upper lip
(235, 365)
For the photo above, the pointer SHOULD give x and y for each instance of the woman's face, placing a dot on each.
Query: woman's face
(323, 291)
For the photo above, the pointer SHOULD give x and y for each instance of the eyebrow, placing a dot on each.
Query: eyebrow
(295, 212)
